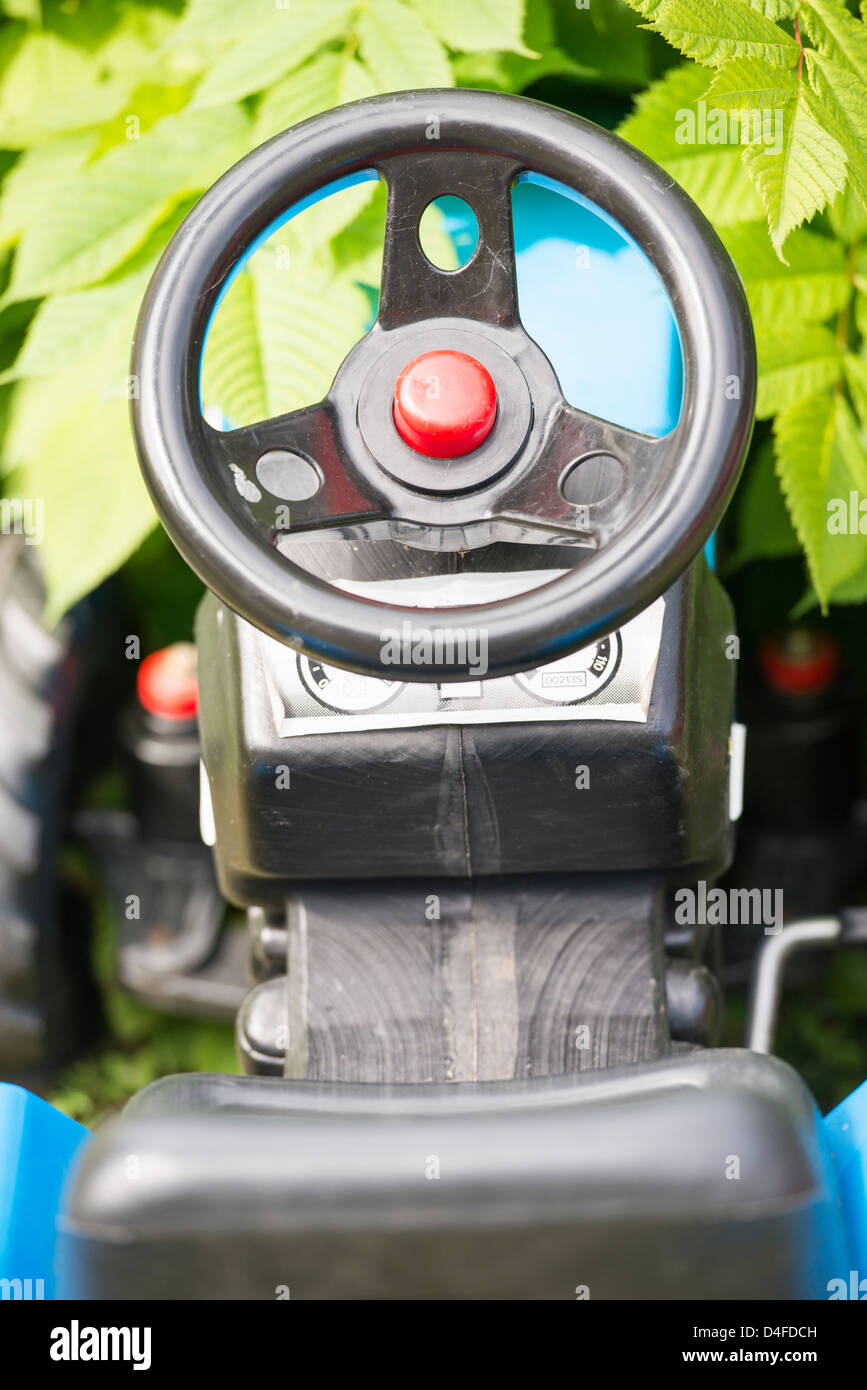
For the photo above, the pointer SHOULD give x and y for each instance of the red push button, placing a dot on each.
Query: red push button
(167, 683)
(445, 404)
(799, 662)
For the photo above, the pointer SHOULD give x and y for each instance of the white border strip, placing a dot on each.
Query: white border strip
(296, 727)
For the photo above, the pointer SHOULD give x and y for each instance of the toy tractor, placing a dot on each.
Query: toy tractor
(465, 715)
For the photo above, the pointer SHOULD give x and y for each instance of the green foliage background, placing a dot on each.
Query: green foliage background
(116, 114)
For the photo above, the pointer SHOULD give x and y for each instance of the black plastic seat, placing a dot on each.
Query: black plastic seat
(699, 1176)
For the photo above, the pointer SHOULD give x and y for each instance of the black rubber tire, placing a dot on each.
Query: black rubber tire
(48, 1001)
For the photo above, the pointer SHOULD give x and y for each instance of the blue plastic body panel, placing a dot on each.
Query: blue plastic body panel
(846, 1135)
(595, 305)
(37, 1147)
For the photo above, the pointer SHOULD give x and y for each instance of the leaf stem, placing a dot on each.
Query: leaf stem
(800, 44)
(844, 317)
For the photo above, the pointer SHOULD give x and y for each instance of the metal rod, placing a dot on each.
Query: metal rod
(768, 975)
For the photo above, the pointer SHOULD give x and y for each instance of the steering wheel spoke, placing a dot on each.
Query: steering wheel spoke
(413, 289)
(292, 473)
(586, 470)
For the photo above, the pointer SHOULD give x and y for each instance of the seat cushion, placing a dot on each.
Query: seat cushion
(703, 1175)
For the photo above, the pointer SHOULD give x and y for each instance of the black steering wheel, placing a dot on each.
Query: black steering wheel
(364, 454)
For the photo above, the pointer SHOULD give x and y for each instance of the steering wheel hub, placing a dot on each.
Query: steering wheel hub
(484, 390)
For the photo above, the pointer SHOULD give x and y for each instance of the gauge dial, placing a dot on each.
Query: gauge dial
(575, 677)
(345, 691)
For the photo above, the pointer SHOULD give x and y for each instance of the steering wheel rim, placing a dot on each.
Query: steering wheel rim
(542, 624)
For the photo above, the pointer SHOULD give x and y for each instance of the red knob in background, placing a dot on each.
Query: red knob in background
(167, 684)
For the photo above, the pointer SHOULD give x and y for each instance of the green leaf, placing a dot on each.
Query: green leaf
(856, 379)
(836, 33)
(713, 175)
(205, 21)
(112, 206)
(23, 9)
(357, 250)
(813, 443)
(763, 528)
(845, 549)
(605, 35)
(96, 323)
(619, 45)
(435, 241)
(305, 92)
(714, 31)
(51, 86)
(848, 217)
(278, 338)
(803, 437)
(844, 100)
(399, 51)
(29, 190)
(69, 326)
(852, 446)
(327, 81)
(813, 286)
(254, 62)
(798, 180)
(72, 449)
(309, 234)
(355, 81)
(649, 8)
(476, 27)
(793, 363)
(751, 83)
(775, 9)
(851, 590)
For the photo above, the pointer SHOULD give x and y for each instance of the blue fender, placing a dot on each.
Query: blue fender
(37, 1147)
(846, 1138)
